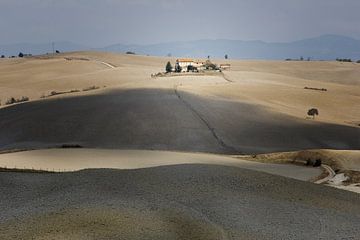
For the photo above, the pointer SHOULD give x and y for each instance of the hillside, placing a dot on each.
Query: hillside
(256, 107)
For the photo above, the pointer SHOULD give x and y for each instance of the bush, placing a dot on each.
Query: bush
(358, 61)
(90, 88)
(10, 101)
(130, 53)
(21, 54)
(13, 100)
(2, 56)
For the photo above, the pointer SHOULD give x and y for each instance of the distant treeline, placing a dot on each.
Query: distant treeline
(21, 55)
(309, 59)
(345, 60)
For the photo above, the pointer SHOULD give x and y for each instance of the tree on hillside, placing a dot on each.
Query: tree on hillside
(312, 112)
(21, 54)
(178, 68)
(168, 67)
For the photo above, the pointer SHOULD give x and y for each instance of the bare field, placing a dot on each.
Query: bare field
(168, 142)
(263, 109)
(176, 202)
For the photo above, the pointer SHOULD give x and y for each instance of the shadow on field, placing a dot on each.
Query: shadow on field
(164, 120)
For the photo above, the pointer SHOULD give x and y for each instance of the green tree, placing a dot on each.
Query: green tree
(312, 112)
(168, 67)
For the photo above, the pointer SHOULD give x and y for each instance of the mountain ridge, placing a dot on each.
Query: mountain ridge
(325, 47)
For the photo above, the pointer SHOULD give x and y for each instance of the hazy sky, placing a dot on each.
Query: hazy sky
(103, 22)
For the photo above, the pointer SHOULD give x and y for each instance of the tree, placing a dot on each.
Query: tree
(2, 56)
(226, 56)
(168, 67)
(57, 51)
(178, 68)
(301, 58)
(312, 112)
(21, 54)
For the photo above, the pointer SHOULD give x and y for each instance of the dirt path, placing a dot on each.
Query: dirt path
(107, 64)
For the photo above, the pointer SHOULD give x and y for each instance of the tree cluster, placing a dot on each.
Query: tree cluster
(343, 60)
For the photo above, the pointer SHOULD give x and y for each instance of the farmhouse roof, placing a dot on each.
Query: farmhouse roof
(184, 60)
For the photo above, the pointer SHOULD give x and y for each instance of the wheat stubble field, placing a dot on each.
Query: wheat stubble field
(173, 157)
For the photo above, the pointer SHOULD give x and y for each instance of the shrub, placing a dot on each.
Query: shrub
(130, 53)
(21, 54)
(10, 101)
(2, 56)
(90, 88)
(13, 100)
(71, 146)
(23, 99)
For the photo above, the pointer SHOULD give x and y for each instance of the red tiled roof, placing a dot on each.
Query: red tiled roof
(184, 60)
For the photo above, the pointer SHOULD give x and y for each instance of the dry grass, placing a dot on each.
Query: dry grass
(18, 170)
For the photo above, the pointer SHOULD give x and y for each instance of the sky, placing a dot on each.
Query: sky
(98, 23)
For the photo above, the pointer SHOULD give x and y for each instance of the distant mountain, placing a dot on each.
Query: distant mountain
(36, 49)
(326, 47)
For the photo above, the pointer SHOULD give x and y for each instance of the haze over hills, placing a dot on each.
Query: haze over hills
(325, 47)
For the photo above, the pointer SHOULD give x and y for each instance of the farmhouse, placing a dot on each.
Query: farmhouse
(225, 66)
(183, 63)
